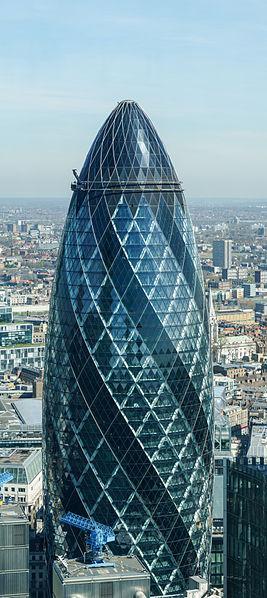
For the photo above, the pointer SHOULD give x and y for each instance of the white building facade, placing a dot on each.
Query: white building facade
(235, 348)
(26, 486)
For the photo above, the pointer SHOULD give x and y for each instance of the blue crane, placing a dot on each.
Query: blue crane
(96, 535)
(5, 477)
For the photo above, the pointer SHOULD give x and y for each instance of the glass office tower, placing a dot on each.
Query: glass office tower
(128, 410)
(246, 573)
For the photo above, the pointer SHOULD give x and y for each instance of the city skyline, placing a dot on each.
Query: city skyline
(204, 64)
(133, 299)
(30, 236)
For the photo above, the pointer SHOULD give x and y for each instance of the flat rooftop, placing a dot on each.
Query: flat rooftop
(14, 456)
(12, 514)
(239, 339)
(29, 411)
(258, 442)
(12, 418)
(125, 567)
(232, 310)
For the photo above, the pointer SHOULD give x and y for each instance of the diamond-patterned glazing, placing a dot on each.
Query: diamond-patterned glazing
(128, 393)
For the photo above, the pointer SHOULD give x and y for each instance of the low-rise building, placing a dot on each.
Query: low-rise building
(238, 293)
(198, 588)
(238, 417)
(236, 316)
(39, 332)
(25, 464)
(234, 371)
(235, 348)
(227, 382)
(127, 577)
(12, 334)
(16, 356)
(258, 442)
(20, 423)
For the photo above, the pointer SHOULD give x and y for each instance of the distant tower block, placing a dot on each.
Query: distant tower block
(222, 253)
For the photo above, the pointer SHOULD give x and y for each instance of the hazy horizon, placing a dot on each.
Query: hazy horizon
(197, 69)
(188, 199)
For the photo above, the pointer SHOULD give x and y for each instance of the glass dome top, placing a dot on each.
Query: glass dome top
(128, 150)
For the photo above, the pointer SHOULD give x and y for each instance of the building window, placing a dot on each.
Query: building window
(106, 590)
(21, 489)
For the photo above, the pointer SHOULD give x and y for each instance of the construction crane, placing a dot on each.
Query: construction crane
(96, 536)
(5, 477)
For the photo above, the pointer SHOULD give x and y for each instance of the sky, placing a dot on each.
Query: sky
(197, 67)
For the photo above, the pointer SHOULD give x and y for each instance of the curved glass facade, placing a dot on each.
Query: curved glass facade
(128, 407)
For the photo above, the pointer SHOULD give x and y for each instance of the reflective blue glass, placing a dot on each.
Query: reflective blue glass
(128, 410)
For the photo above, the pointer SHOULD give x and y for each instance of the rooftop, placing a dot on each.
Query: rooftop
(125, 567)
(20, 415)
(240, 339)
(29, 411)
(12, 514)
(22, 346)
(233, 310)
(24, 463)
(258, 442)
(14, 456)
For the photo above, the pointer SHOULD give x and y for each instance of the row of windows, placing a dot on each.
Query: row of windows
(12, 489)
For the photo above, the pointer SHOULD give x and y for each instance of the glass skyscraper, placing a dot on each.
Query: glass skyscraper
(128, 409)
(246, 531)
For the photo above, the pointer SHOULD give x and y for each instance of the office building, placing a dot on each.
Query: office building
(16, 356)
(213, 326)
(261, 277)
(128, 409)
(260, 311)
(37, 565)
(222, 253)
(222, 452)
(127, 578)
(249, 290)
(246, 572)
(261, 231)
(14, 552)
(5, 313)
(15, 334)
